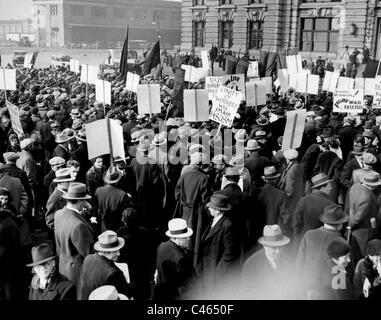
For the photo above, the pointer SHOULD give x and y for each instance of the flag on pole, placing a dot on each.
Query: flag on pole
(123, 67)
(34, 58)
(152, 58)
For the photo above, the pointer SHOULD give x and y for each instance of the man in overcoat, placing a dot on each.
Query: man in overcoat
(99, 268)
(218, 252)
(192, 192)
(174, 263)
(73, 233)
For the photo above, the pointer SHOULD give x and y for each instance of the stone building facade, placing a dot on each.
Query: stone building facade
(314, 27)
(65, 22)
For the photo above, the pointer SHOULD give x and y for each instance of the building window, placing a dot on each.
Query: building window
(255, 34)
(198, 33)
(225, 34)
(198, 2)
(318, 35)
(222, 2)
(53, 9)
(255, 1)
(55, 32)
(77, 11)
(120, 12)
(98, 11)
(306, 1)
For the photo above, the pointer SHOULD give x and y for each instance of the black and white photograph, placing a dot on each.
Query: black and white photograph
(189, 156)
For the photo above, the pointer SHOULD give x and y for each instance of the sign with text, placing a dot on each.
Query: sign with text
(225, 106)
(377, 93)
(350, 100)
(294, 64)
(235, 82)
(212, 84)
(345, 83)
(205, 59)
(330, 81)
(74, 65)
(196, 105)
(369, 86)
(283, 79)
(15, 119)
(252, 71)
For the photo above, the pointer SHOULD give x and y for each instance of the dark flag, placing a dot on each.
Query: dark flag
(231, 64)
(34, 58)
(123, 67)
(152, 59)
(178, 89)
(242, 67)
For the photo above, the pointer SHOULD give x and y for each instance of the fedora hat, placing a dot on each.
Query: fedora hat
(63, 137)
(76, 191)
(177, 228)
(368, 125)
(270, 173)
(55, 124)
(10, 156)
(371, 179)
(219, 202)
(196, 147)
(137, 136)
(25, 143)
(368, 134)
(57, 161)
(219, 159)
(41, 254)
(260, 134)
(158, 140)
(109, 241)
(241, 135)
(232, 172)
(319, 180)
(369, 158)
(63, 175)
(272, 236)
(106, 293)
(113, 175)
(198, 158)
(290, 154)
(262, 120)
(333, 214)
(81, 136)
(252, 145)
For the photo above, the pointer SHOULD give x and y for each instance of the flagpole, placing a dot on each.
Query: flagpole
(110, 141)
(5, 87)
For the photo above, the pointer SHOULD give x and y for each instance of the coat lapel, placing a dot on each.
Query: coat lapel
(210, 232)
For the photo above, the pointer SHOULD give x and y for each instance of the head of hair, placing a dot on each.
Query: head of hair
(73, 163)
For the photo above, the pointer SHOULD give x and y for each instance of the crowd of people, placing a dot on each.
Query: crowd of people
(191, 219)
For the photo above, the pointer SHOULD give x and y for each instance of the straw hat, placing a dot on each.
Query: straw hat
(106, 293)
(272, 236)
(109, 241)
(177, 228)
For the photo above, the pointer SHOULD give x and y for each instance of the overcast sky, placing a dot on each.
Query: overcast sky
(16, 9)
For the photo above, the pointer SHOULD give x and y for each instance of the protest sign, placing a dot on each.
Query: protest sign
(89, 74)
(74, 65)
(307, 83)
(268, 83)
(252, 70)
(293, 132)
(15, 119)
(103, 91)
(294, 64)
(205, 59)
(27, 60)
(369, 86)
(7, 79)
(196, 105)
(344, 83)
(225, 106)
(212, 84)
(283, 79)
(256, 93)
(350, 100)
(330, 81)
(193, 74)
(359, 83)
(102, 137)
(132, 81)
(235, 82)
(148, 98)
(377, 94)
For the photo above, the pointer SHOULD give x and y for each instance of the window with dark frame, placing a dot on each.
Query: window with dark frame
(198, 33)
(255, 1)
(255, 34)
(198, 2)
(318, 35)
(222, 2)
(225, 34)
(53, 9)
